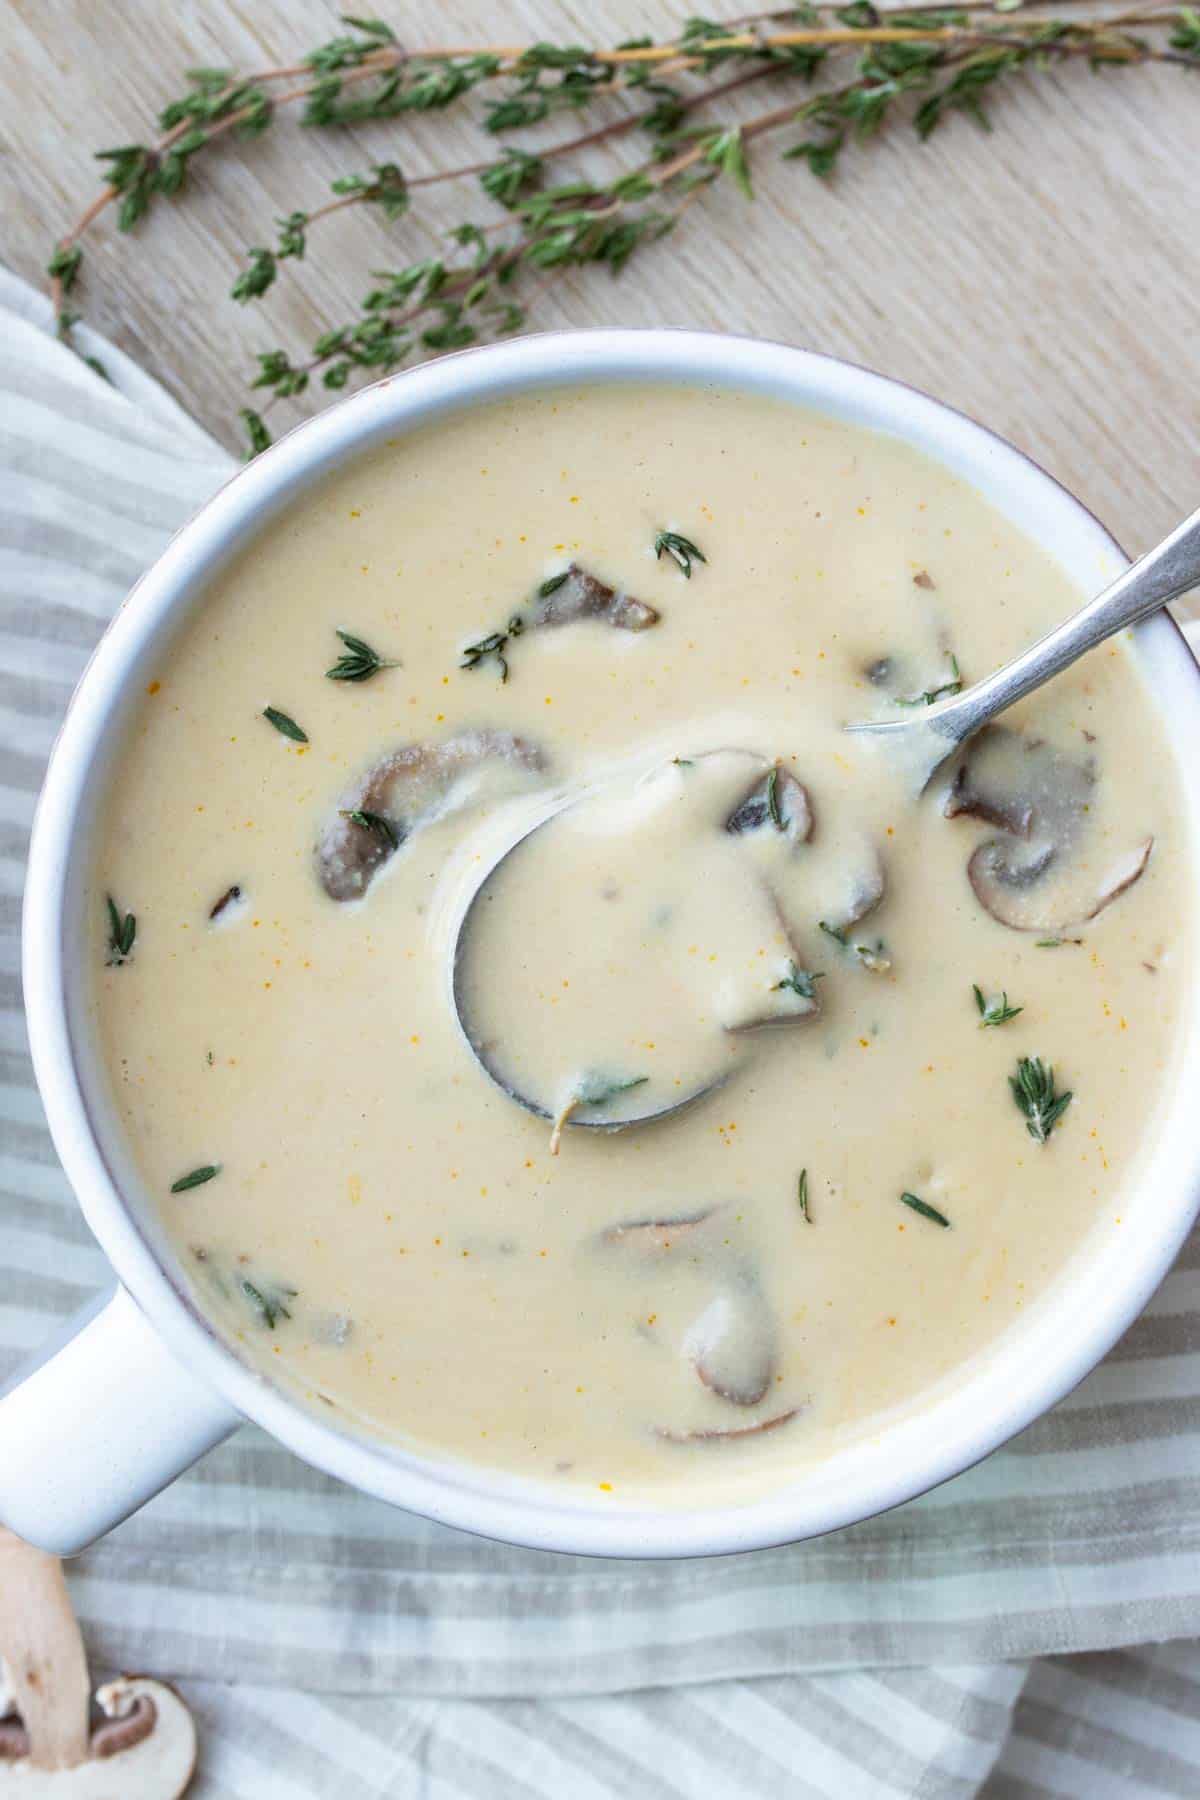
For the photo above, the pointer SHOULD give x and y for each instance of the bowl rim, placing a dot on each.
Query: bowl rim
(903, 1458)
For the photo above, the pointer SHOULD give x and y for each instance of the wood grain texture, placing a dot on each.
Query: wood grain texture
(1043, 277)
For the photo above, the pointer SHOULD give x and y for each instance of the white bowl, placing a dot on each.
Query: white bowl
(145, 1386)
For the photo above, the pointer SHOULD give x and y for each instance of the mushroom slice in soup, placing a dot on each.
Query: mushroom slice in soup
(410, 788)
(1040, 888)
(777, 802)
(654, 1234)
(579, 595)
(1042, 876)
(865, 888)
(732, 1345)
(1020, 783)
(714, 1435)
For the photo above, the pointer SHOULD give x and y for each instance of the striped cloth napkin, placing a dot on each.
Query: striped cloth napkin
(989, 1639)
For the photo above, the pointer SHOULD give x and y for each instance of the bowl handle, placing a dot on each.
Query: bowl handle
(104, 1419)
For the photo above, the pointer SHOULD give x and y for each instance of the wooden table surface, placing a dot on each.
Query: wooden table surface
(1044, 277)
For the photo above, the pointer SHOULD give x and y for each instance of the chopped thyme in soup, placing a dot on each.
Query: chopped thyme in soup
(567, 1048)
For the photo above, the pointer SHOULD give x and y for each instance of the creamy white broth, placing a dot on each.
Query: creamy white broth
(388, 1232)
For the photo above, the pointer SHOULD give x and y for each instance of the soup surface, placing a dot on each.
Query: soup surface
(599, 802)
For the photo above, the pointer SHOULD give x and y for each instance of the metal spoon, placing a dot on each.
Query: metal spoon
(1161, 575)
(482, 1050)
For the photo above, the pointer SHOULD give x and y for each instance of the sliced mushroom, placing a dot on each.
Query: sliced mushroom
(405, 790)
(732, 1344)
(583, 596)
(777, 802)
(130, 1717)
(1038, 888)
(715, 1436)
(1020, 783)
(144, 1748)
(14, 1739)
(791, 996)
(1040, 877)
(47, 1683)
(865, 890)
(654, 1234)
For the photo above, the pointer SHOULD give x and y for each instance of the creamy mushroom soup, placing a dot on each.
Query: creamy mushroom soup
(545, 1035)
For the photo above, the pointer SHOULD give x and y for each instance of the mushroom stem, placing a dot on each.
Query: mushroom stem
(43, 1649)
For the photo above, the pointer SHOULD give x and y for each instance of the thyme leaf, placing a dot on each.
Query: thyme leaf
(122, 930)
(552, 584)
(800, 981)
(681, 550)
(874, 957)
(268, 1300)
(932, 695)
(994, 1012)
(802, 1197)
(494, 644)
(195, 1177)
(359, 663)
(1033, 1090)
(287, 727)
(923, 1207)
(871, 956)
(773, 812)
(591, 1089)
(597, 1090)
(372, 821)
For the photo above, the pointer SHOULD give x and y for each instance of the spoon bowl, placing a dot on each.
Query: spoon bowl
(483, 1049)
(585, 1096)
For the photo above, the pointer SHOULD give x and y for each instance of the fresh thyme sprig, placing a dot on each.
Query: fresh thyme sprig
(927, 61)
(932, 695)
(372, 821)
(993, 1012)
(1033, 1090)
(122, 931)
(800, 981)
(872, 956)
(591, 1089)
(681, 550)
(268, 1299)
(359, 663)
(494, 645)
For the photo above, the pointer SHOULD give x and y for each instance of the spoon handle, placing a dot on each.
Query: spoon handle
(1164, 573)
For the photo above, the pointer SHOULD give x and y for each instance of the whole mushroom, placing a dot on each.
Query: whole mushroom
(144, 1748)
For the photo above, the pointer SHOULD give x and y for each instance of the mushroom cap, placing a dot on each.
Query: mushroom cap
(713, 1435)
(1023, 784)
(581, 595)
(145, 1749)
(732, 1344)
(1041, 875)
(408, 789)
(1037, 888)
(777, 801)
